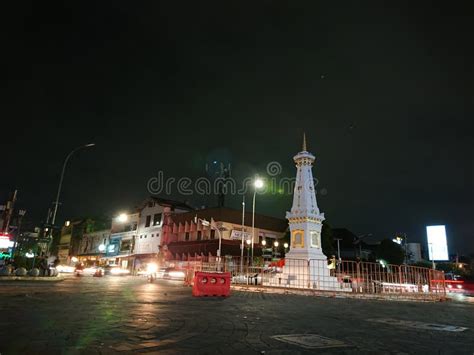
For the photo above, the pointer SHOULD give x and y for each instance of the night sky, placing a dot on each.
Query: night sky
(383, 92)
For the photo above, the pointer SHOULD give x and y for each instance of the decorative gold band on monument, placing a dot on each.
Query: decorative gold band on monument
(304, 219)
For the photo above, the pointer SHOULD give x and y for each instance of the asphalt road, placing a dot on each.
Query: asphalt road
(125, 314)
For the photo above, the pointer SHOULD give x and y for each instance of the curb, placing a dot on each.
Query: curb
(31, 278)
(332, 294)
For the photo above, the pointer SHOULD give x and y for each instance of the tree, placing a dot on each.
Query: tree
(390, 252)
(327, 240)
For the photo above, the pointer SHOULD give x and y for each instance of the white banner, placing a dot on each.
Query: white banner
(236, 234)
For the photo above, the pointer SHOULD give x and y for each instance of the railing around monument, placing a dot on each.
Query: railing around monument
(346, 277)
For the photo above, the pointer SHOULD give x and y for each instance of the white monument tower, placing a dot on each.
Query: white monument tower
(305, 264)
(305, 218)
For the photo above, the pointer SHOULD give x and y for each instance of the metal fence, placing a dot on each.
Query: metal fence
(344, 277)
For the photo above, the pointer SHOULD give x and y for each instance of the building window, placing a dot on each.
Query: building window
(186, 236)
(145, 235)
(141, 236)
(152, 235)
(213, 233)
(157, 219)
(148, 221)
(126, 245)
(199, 234)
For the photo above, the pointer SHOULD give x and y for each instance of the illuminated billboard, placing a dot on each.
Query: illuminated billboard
(437, 242)
(5, 241)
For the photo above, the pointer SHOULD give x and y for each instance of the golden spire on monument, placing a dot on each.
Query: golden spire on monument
(304, 142)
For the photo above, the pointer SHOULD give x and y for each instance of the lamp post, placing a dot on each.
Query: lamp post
(243, 237)
(209, 224)
(338, 249)
(257, 184)
(433, 265)
(248, 241)
(56, 202)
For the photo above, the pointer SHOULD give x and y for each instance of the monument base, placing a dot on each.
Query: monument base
(310, 273)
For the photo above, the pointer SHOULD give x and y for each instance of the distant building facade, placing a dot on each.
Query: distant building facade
(92, 246)
(120, 248)
(72, 237)
(186, 238)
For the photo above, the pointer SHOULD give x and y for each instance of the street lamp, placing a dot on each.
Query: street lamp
(433, 265)
(257, 184)
(264, 242)
(209, 224)
(275, 249)
(56, 203)
(242, 246)
(248, 241)
(122, 218)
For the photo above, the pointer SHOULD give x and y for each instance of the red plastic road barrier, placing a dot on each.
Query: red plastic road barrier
(211, 284)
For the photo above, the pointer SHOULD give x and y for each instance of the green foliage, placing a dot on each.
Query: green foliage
(447, 267)
(327, 240)
(391, 252)
(23, 261)
(258, 261)
(423, 263)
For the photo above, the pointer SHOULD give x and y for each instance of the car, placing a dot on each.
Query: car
(88, 271)
(174, 274)
(458, 284)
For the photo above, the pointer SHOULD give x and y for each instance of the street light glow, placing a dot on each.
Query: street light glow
(248, 241)
(285, 245)
(276, 244)
(264, 242)
(122, 218)
(258, 183)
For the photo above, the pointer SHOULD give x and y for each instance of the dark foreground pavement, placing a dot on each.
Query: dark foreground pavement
(124, 314)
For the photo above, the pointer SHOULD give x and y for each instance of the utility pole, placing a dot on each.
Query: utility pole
(406, 249)
(21, 214)
(338, 248)
(7, 214)
(243, 237)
